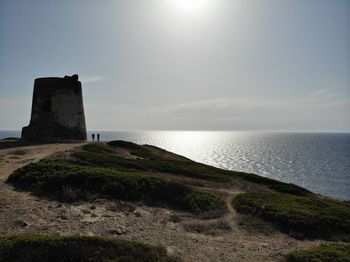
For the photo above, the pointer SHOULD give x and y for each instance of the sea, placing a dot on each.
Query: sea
(319, 162)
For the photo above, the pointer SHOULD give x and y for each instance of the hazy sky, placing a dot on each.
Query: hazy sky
(183, 64)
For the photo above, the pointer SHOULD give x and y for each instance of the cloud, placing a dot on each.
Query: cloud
(258, 106)
(220, 107)
(320, 110)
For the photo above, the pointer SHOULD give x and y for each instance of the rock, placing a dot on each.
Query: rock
(172, 226)
(171, 250)
(86, 211)
(20, 223)
(167, 212)
(141, 212)
(174, 218)
(118, 230)
(63, 217)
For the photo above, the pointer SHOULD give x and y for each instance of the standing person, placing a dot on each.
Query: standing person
(93, 137)
(98, 137)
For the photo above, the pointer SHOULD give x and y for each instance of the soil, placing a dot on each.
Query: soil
(232, 237)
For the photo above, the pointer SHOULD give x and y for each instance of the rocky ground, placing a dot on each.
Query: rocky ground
(232, 237)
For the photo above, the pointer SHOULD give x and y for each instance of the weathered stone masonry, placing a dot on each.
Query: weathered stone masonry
(57, 111)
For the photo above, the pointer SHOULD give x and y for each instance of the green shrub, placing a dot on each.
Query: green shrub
(135, 149)
(200, 201)
(301, 216)
(102, 155)
(98, 148)
(273, 184)
(323, 253)
(51, 177)
(42, 248)
(291, 189)
(96, 154)
(270, 183)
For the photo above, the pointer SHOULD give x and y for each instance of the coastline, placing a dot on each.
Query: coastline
(315, 161)
(242, 238)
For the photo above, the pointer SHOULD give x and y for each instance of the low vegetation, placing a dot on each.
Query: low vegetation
(99, 169)
(103, 156)
(300, 216)
(265, 181)
(323, 253)
(41, 248)
(53, 177)
(127, 171)
(133, 148)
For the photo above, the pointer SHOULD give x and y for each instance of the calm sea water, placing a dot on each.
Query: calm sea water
(317, 161)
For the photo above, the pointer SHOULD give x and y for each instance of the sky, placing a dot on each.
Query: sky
(183, 64)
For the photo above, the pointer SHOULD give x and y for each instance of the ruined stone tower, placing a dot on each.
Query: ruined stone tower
(57, 110)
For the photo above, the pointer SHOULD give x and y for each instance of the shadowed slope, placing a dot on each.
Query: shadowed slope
(41, 248)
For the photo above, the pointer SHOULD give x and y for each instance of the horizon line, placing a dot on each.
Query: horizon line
(189, 130)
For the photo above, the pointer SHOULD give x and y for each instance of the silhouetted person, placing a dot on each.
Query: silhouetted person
(93, 137)
(98, 137)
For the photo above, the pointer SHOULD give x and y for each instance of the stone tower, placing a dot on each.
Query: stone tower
(57, 110)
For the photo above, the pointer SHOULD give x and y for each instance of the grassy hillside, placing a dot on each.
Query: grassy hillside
(103, 156)
(41, 248)
(53, 177)
(301, 216)
(154, 161)
(126, 171)
(100, 169)
(323, 253)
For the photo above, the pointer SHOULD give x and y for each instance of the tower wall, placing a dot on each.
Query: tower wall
(57, 111)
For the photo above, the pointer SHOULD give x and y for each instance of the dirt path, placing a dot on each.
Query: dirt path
(13, 158)
(232, 237)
